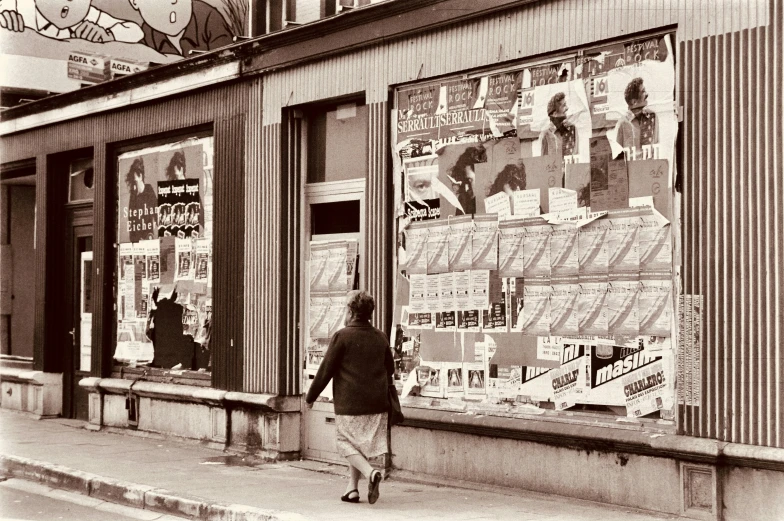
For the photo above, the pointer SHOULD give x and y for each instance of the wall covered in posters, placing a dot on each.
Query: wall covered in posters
(164, 262)
(536, 235)
(58, 45)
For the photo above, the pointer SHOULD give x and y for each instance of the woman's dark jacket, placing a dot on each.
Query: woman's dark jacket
(359, 362)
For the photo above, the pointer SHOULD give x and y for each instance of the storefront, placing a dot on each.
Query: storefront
(529, 191)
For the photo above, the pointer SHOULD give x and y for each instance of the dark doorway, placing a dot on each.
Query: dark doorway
(78, 310)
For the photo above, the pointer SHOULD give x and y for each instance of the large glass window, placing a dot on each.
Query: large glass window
(535, 268)
(164, 255)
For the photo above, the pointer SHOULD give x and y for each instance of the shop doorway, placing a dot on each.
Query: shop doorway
(78, 310)
(333, 219)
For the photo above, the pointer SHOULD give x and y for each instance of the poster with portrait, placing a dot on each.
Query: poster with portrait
(639, 108)
(556, 118)
(139, 174)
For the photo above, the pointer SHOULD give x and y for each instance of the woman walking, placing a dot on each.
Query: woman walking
(360, 365)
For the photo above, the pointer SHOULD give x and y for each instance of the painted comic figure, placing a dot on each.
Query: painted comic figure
(64, 19)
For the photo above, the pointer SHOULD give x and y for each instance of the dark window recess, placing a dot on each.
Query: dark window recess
(317, 149)
(340, 217)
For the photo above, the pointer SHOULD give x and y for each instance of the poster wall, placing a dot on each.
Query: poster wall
(535, 234)
(164, 273)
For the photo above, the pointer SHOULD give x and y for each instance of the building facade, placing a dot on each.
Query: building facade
(315, 147)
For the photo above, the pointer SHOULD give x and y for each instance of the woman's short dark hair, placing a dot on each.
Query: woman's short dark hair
(553, 104)
(177, 161)
(361, 304)
(632, 92)
(511, 175)
(137, 167)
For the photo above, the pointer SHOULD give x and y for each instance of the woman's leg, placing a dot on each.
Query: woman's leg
(359, 464)
(353, 478)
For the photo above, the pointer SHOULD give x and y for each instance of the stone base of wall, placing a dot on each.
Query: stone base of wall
(688, 477)
(35, 393)
(263, 425)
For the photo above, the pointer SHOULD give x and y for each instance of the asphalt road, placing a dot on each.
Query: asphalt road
(24, 500)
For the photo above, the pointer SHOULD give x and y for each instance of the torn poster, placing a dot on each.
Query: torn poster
(438, 247)
(593, 242)
(319, 280)
(564, 320)
(501, 103)
(336, 267)
(655, 242)
(536, 247)
(565, 382)
(591, 306)
(527, 203)
(623, 240)
(564, 250)
(556, 116)
(484, 242)
(510, 248)
(460, 252)
(645, 390)
(656, 303)
(623, 306)
(499, 204)
(415, 110)
(535, 317)
(416, 248)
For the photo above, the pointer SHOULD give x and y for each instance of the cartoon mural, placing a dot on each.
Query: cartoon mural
(59, 45)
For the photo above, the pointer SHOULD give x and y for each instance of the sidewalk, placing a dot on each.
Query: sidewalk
(212, 484)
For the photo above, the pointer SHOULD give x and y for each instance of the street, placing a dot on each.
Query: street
(24, 500)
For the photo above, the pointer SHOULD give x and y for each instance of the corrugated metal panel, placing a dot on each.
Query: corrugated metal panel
(733, 210)
(253, 244)
(228, 246)
(378, 246)
(263, 214)
(291, 228)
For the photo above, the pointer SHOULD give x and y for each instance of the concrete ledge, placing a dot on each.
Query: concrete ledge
(11, 374)
(136, 495)
(606, 438)
(266, 402)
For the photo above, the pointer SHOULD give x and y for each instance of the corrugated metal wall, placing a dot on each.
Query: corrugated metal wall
(264, 214)
(228, 247)
(99, 132)
(378, 209)
(733, 214)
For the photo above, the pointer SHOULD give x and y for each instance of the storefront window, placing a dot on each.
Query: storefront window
(80, 180)
(536, 236)
(164, 256)
(337, 143)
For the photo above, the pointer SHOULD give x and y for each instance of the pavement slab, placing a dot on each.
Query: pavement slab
(182, 478)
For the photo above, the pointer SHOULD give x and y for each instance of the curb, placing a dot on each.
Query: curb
(137, 495)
